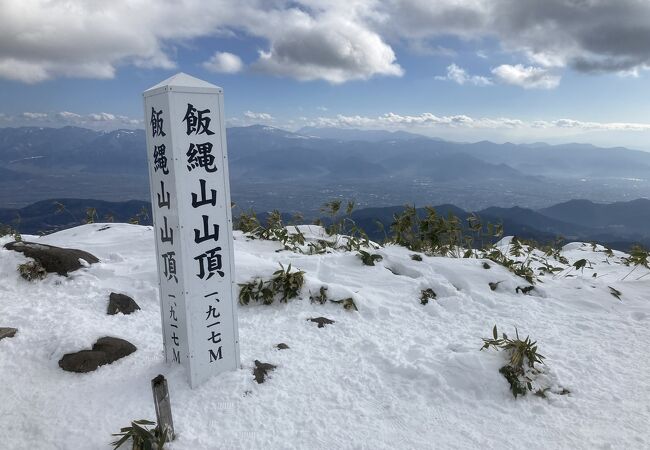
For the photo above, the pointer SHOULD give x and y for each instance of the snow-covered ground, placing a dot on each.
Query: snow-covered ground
(395, 374)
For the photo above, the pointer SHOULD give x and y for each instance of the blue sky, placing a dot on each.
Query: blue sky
(523, 71)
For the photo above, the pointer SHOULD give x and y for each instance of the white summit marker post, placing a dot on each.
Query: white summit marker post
(190, 199)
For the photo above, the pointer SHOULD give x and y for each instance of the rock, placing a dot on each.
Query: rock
(53, 259)
(321, 321)
(105, 351)
(82, 361)
(7, 332)
(486, 265)
(261, 370)
(282, 346)
(114, 348)
(120, 303)
(493, 285)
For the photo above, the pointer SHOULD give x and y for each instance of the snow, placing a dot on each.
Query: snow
(395, 374)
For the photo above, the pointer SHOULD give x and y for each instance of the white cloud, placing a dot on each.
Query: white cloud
(461, 127)
(305, 39)
(592, 126)
(528, 77)
(392, 120)
(332, 40)
(258, 116)
(25, 71)
(468, 128)
(587, 35)
(429, 120)
(68, 115)
(388, 120)
(460, 76)
(334, 49)
(102, 117)
(224, 62)
(96, 121)
(34, 115)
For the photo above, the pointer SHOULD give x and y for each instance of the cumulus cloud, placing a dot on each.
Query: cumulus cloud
(392, 120)
(67, 115)
(334, 40)
(102, 117)
(20, 70)
(527, 77)
(96, 121)
(33, 115)
(469, 128)
(224, 62)
(258, 116)
(587, 35)
(429, 120)
(335, 50)
(43, 39)
(463, 127)
(582, 125)
(460, 76)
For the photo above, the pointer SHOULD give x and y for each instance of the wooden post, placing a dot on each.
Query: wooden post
(163, 407)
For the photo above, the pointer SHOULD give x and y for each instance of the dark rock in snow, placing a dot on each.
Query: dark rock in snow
(82, 361)
(120, 303)
(282, 346)
(114, 348)
(53, 259)
(7, 332)
(261, 370)
(105, 351)
(493, 285)
(321, 321)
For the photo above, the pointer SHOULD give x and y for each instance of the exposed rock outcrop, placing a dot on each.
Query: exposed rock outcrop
(54, 259)
(120, 303)
(105, 351)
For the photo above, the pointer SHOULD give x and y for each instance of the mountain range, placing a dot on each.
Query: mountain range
(275, 168)
(619, 225)
(264, 152)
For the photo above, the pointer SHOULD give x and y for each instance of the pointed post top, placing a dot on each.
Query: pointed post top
(182, 82)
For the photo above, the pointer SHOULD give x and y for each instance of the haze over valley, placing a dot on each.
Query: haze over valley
(276, 169)
(537, 191)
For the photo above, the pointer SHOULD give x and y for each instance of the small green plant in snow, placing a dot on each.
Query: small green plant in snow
(321, 297)
(32, 271)
(348, 304)
(426, 295)
(284, 285)
(143, 437)
(520, 353)
(369, 259)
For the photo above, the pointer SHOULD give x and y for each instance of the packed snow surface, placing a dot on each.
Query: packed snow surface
(396, 374)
